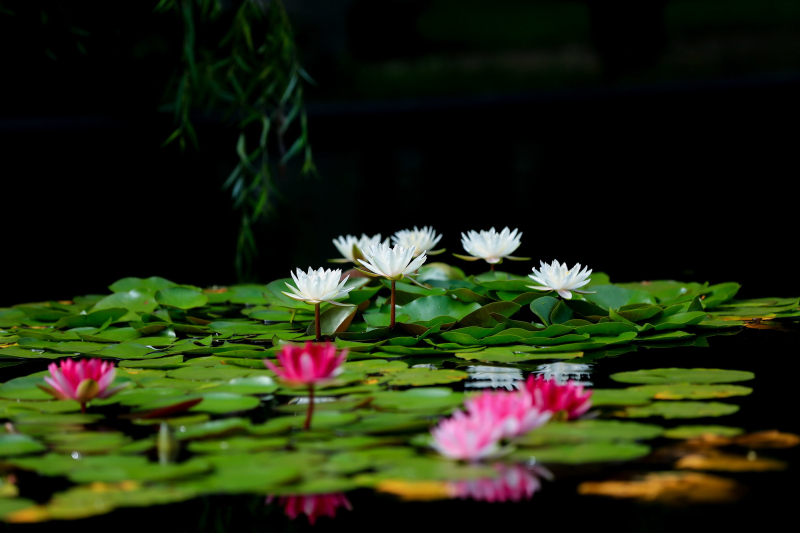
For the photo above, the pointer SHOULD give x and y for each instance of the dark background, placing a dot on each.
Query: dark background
(644, 139)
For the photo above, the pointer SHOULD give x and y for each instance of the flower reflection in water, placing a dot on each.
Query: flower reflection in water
(482, 377)
(513, 483)
(312, 505)
(563, 372)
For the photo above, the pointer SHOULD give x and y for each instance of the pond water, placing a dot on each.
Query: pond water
(372, 459)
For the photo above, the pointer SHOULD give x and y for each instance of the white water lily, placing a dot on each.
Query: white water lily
(557, 277)
(392, 263)
(491, 246)
(346, 243)
(422, 239)
(318, 286)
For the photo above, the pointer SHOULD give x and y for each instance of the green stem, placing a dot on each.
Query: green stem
(310, 411)
(391, 322)
(317, 324)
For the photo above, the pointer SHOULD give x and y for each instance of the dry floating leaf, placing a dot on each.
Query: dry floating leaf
(670, 488)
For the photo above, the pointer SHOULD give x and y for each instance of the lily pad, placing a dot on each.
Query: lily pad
(686, 391)
(682, 375)
(11, 445)
(589, 430)
(430, 307)
(181, 297)
(691, 432)
(680, 410)
(419, 377)
(593, 452)
(428, 399)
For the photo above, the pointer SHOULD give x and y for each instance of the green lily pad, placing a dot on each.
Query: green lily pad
(181, 297)
(682, 375)
(573, 454)
(430, 469)
(24, 388)
(629, 396)
(419, 377)
(216, 373)
(588, 430)
(681, 410)
(153, 284)
(12, 505)
(126, 351)
(482, 317)
(614, 296)
(428, 399)
(160, 362)
(690, 432)
(387, 423)
(213, 402)
(238, 445)
(687, 391)
(213, 428)
(321, 420)
(87, 442)
(430, 307)
(135, 301)
(356, 442)
(11, 445)
(333, 320)
(505, 355)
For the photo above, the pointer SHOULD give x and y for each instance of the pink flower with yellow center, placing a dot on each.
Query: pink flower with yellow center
(467, 437)
(81, 380)
(313, 505)
(310, 364)
(549, 395)
(513, 483)
(513, 412)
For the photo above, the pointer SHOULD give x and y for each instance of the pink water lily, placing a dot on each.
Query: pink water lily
(513, 483)
(513, 412)
(81, 380)
(549, 395)
(309, 365)
(313, 505)
(468, 437)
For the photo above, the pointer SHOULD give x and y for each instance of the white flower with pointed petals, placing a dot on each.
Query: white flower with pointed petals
(491, 246)
(557, 277)
(345, 243)
(318, 286)
(392, 263)
(422, 239)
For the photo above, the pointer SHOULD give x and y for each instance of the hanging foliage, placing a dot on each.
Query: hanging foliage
(241, 57)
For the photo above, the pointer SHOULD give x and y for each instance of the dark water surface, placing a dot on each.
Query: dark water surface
(768, 502)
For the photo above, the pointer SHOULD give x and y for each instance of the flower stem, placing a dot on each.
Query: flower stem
(491, 267)
(83, 407)
(310, 411)
(317, 323)
(391, 322)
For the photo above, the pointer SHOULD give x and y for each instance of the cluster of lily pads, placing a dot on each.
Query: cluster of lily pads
(200, 413)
